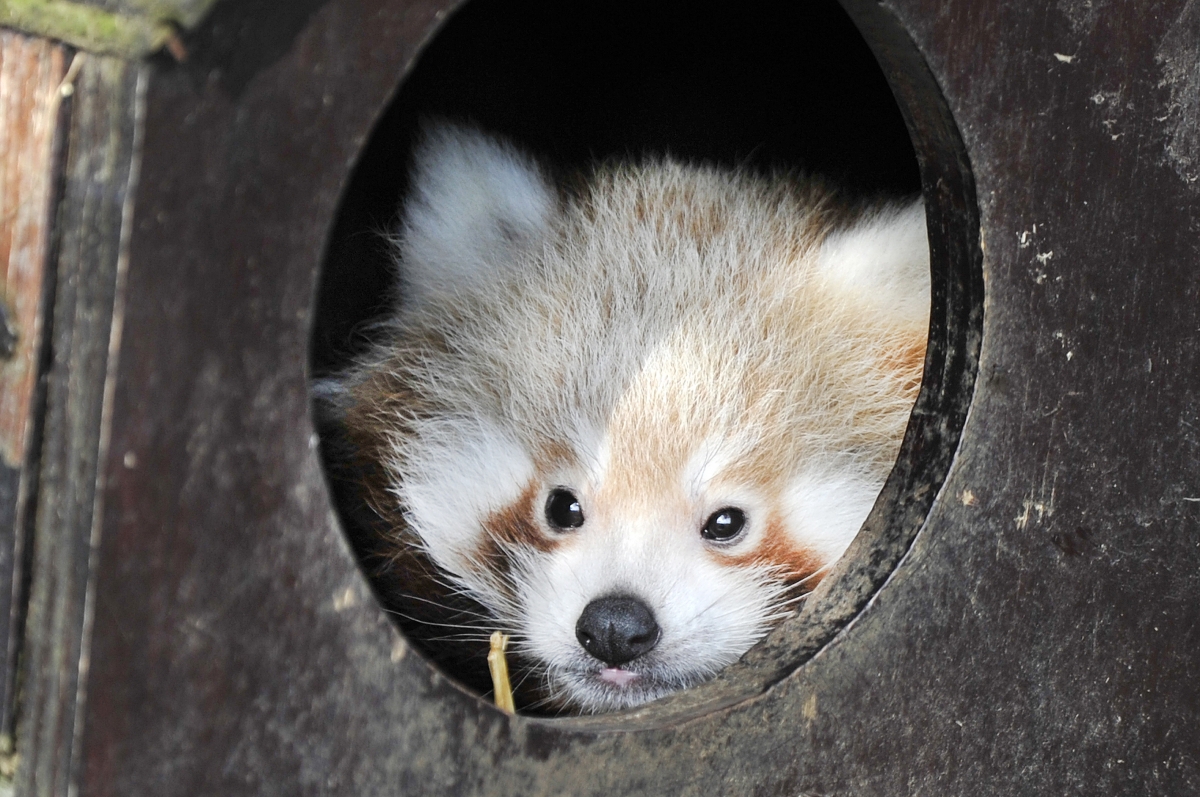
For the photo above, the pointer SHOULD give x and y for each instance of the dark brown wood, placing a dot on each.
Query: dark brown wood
(30, 72)
(1036, 633)
(93, 217)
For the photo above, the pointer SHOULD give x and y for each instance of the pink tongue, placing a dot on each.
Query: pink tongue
(615, 675)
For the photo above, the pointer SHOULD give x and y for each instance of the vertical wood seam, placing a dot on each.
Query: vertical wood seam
(92, 231)
(110, 380)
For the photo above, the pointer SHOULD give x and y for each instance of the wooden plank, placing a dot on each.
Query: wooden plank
(30, 72)
(92, 216)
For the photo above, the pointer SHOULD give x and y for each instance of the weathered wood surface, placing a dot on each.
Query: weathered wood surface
(1039, 636)
(92, 225)
(30, 72)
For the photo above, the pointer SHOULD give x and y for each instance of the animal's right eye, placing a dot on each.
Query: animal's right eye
(563, 510)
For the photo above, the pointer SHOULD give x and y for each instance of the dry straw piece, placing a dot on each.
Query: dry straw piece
(498, 666)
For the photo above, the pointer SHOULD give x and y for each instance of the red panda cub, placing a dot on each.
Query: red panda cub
(635, 416)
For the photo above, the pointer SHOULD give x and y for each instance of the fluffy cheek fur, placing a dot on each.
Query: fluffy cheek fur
(823, 510)
(463, 478)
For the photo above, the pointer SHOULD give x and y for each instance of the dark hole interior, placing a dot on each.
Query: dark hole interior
(765, 85)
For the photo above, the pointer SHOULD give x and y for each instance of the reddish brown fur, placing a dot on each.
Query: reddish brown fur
(777, 549)
(376, 395)
(514, 525)
(908, 362)
(509, 529)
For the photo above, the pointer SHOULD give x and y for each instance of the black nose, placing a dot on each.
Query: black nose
(617, 629)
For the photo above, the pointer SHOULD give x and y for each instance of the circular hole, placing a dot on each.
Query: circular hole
(770, 89)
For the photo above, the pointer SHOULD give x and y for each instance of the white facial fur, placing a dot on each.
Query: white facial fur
(667, 342)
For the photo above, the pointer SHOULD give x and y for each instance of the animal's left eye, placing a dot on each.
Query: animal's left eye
(724, 524)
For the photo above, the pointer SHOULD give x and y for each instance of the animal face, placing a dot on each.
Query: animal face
(638, 419)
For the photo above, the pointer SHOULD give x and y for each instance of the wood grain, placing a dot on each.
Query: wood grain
(93, 213)
(30, 72)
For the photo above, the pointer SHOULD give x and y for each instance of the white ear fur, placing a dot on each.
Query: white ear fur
(883, 257)
(476, 202)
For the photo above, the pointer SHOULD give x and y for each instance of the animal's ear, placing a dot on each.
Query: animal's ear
(476, 205)
(883, 259)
